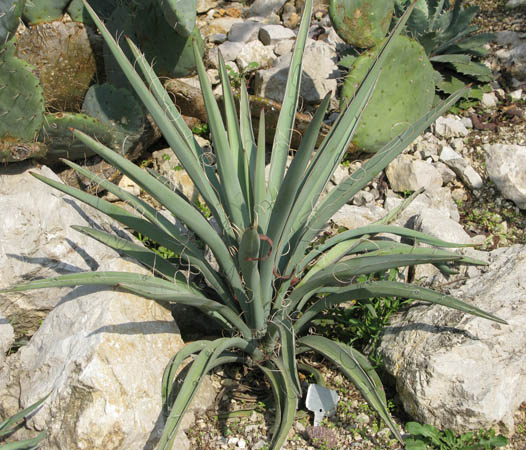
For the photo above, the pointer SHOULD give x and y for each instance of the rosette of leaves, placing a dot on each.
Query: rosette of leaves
(264, 239)
(8, 426)
(450, 42)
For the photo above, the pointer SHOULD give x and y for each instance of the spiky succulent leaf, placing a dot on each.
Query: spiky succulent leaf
(8, 424)
(260, 233)
(475, 70)
(289, 404)
(364, 291)
(357, 368)
(202, 364)
(446, 33)
(26, 444)
(288, 353)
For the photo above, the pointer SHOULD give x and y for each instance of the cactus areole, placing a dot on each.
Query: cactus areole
(362, 23)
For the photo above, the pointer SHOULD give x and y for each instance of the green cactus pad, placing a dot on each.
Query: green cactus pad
(15, 150)
(180, 14)
(404, 93)
(66, 56)
(21, 98)
(171, 53)
(61, 143)
(117, 109)
(362, 23)
(38, 11)
(10, 12)
(103, 8)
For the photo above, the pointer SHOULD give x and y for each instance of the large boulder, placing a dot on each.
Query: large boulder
(99, 353)
(457, 371)
(37, 241)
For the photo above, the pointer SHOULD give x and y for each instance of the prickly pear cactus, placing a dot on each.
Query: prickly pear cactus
(404, 93)
(10, 12)
(170, 53)
(78, 13)
(67, 57)
(60, 142)
(180, 14)
(38, 11)
(119, 111)
(21, 98)
(361, 23)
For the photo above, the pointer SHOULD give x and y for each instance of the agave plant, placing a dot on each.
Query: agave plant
(9, 425)
(274, 277)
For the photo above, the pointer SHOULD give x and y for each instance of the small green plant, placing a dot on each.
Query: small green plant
(237, 78)
(263, 239)
(163, 252)
(427, 437)
(8, 426)
(201, 130)
(361, 324)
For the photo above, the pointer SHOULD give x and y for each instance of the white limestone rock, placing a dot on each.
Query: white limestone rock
(405, 173)
(204, 6)
(433, 223)
(284, 47)
(506, 166)
(513, 58)
(489, 100)
(351, 216)
(456, 371)
(272, 34)
(445, 172)
(244, 31)
(439, 199)
(255, 52)
(265, 7)
(515, 4)
(461, 167)
(101, 354)
(516, 95)
(7, 337)
(229, 51)
(166, 163)
(37, 241)
(221, 25)
(320, 74)
(450, 127)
